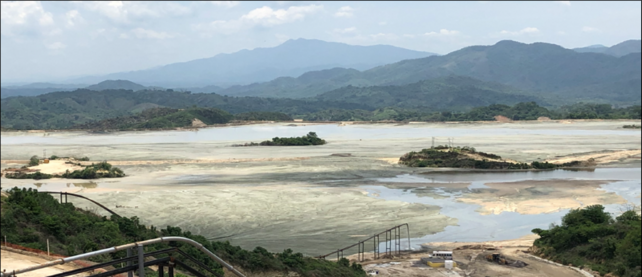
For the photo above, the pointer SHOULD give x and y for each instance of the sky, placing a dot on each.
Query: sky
(51, 41)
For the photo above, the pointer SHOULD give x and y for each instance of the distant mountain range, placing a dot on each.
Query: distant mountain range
(618, 50)
(541, 72)
(44, 88)
(292, 58)
(539, 69)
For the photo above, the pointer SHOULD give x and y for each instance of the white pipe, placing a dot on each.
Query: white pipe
(123, 247)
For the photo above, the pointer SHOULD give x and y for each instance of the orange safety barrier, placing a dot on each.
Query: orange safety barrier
(38, 251)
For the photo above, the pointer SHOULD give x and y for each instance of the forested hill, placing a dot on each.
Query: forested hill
(61, 110)
(452, 93)
(160, 118)
(548, 70)
(116, 84)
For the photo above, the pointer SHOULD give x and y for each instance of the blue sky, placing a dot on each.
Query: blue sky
(43, 41)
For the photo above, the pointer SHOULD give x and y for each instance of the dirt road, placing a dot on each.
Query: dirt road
(11, 260)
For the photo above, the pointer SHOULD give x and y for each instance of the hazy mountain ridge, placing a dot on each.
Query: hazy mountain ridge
(292, 58)
(618, 50)
(116, 84)
(541, 69)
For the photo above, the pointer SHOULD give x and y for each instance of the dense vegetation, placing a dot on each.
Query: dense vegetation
(468, 157)
(520, 111)
(262, 116)
(30, 218)
(309, 139)
(452, 93)
(93, 171)
(61, 110)
(591, 237)
(160, 118)
(445, 99)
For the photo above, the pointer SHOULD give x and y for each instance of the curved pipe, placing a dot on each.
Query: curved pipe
(123, 247)
(80, 196)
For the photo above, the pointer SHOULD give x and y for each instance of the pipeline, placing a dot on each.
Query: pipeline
(80, 196)
(124, 247)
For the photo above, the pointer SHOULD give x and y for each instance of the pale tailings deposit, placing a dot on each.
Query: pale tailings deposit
(314, 202)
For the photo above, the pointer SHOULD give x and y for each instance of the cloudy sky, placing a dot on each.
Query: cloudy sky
(45, 41)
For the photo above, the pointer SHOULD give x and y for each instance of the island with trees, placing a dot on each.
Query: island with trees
(63, 167)
(469, 157)
(310, 139)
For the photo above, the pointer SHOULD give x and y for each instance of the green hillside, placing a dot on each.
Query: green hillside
(447, 93)
(307, 85)
(160, 118)
(591, 237)
(61, 110)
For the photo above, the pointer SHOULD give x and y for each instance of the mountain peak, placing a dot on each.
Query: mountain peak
(116, 84)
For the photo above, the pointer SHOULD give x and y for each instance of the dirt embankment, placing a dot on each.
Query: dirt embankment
(600, 157)
(471, 260)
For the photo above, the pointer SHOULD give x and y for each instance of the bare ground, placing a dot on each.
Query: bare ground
(471, 262)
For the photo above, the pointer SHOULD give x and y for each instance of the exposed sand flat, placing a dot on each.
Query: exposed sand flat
(536, 197)
(55, 167)
(600, 157)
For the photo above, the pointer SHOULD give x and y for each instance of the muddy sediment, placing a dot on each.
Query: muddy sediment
(306, 199)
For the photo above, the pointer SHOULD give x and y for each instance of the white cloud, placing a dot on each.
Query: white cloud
(346, 30)
(565, 3)
(345, 11)
(150, 34)
(73, 17)
(282, 38)
(56, 46)
(227, 4)
(587, 29)
(383, 23)
(24, 17)
(384, 36)
(125, 12)
(561, 33)
(264, 16)
(527, 30)
(442, 32)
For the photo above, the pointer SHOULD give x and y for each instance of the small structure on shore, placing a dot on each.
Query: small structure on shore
(440, 259)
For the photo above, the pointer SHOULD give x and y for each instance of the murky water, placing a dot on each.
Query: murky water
(475, 227)
(327, 131)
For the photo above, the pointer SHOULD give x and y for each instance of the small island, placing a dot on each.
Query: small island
(632, 126)
(468, 157)
(309, 139)
(63, 167)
